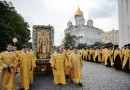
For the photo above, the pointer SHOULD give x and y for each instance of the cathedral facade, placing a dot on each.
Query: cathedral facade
(111, 37)
(124, 22)
(83, 33)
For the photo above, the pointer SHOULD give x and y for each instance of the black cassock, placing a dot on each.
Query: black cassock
(118, 65)
(126, 68)
(108, 62)
(96, 59)
(92, 59)
(87, 57)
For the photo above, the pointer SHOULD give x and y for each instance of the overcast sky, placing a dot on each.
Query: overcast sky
(58, 12)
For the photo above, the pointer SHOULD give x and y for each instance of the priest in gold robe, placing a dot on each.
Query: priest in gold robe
(67, 53)
(97, 57)
(123, 52)
(17, 55)
(26, 66)
(82, 53)
(76, 66)
(8, 63)
(126, 61)
(85, 55)
(103, 55)
(58, 64)
(91, 53)
(33, 60)
(107, 57)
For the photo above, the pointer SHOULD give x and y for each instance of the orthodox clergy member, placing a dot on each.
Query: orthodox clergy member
(85, 55)
(17, 55)
(91, 54)
(123, 52)
(66, 52)
(107, 57)
(26, 66)
(111, 52)
(33, 60)
(103, 55)
(76, 66)
(58, 64)
(8, 62)
(126, 61)
(16, 51)
(118, 59)
(82, 53)
(97, 57)
(56, 51)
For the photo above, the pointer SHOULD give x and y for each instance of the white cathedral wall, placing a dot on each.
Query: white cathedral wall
(90, 35)
(124, 22)
(79, 21)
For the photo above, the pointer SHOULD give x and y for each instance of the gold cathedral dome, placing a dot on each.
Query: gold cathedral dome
(78, 13)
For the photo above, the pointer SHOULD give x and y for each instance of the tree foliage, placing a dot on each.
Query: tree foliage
(108, 44)
(69, 40)
(97, 44)
(80, 46)
(101, 45)
(12, 25)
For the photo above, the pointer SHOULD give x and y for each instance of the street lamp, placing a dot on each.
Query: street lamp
(15, 40)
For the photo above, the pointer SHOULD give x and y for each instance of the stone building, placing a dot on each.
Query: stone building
(124, 22)
(111, 36)
(83, 33)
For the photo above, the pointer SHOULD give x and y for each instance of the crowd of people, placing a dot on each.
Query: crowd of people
(109, 56)
(12, 62)
(66, 63)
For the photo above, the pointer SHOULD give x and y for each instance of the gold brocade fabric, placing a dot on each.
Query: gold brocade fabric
(8, 77)
(58, 64)
(97, 54)
(85, 54)
(76, 63)
(67, 55)
(27, 64)
(126, 58)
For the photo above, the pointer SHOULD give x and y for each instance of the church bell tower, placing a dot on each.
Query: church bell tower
(79, 19)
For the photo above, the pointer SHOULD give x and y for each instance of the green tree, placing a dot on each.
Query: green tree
(12, 25)
(81, 45)
(101, 45)
(69, 40)
(97, 44)
(108, 44)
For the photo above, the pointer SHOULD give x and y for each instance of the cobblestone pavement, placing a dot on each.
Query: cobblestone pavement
(95, 77)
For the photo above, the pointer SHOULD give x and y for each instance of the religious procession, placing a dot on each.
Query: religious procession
(36, 54)
(65, 62)
(23, 62)
(109, 56)
(13, 62)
